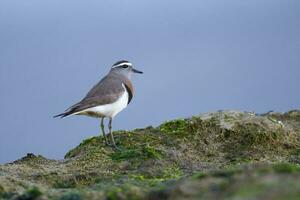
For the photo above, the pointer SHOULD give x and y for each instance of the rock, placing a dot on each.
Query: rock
(162, 162)
(278, 181)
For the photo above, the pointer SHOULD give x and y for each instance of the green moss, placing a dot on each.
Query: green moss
(64, 183)
(145, 152)
(1, 190)
(30, 194)
(8, 195)
(113, 193)
(87, 145)
(246, 182)
(199, 175)
(296, 152)
(74, 195)
(293, 115)
(228, 118)
(246, 142)
(248, 190)
(125, 154)
(252, 134)
(157, 158)
(172, 173)
(126, 191)
(152, 152)
(177, 127)
(286, 168)
(226, 173)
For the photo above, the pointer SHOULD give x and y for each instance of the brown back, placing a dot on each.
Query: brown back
(106, 91)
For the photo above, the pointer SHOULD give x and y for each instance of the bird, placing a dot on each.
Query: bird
(107, 98)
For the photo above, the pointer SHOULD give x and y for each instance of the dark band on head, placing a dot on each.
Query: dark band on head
(121, 62)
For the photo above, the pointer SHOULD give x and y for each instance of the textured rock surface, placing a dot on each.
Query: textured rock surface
(226, 154)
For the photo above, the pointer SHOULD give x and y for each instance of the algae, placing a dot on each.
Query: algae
(246, 182)
(226, 154)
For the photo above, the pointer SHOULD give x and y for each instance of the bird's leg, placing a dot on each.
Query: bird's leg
(111, 134)
(103, 131)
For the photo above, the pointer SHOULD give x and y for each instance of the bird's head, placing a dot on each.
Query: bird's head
(125, 68)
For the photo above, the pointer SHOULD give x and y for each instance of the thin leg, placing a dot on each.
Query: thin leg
(103, 131)
(111, 134)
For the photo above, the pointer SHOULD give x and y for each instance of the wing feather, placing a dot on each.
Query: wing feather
(106, 91)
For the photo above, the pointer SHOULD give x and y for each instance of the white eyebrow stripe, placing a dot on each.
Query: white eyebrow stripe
(124, 63)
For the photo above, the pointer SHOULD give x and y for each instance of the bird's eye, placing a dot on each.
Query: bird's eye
(125, 66)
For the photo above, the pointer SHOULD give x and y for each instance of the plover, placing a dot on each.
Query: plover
(108, 97)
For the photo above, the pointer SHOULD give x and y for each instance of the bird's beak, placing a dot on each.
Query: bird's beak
(136, 71)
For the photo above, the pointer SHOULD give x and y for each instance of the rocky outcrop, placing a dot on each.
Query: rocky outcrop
(225, 154)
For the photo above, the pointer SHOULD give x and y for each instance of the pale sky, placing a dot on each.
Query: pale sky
(197, 56)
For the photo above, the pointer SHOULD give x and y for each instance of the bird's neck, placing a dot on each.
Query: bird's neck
(121, 75)
(125, 80)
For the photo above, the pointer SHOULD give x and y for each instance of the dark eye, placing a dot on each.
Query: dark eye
(125, 66)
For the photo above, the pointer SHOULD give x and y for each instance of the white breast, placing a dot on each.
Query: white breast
(109, 110)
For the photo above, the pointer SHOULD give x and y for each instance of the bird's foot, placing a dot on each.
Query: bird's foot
(112, 145)
(115, 148)
(106, 142)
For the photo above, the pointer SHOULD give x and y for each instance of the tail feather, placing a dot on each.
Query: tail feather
(68, 112)
(62, 115)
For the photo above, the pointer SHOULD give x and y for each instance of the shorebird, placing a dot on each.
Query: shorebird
(107, 98)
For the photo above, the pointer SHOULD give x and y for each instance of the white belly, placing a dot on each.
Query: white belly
(108, 110)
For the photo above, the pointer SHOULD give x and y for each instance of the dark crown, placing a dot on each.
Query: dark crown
(121, 62)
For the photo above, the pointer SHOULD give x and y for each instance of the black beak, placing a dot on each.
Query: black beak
(136, 71)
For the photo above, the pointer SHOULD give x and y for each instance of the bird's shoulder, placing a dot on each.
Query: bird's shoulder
(108, 85)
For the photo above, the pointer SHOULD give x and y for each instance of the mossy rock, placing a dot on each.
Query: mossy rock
(31, 193)
(147, 152)
(201, 152)
(279, 181)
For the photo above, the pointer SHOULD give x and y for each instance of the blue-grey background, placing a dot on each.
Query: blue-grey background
(198, 56)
